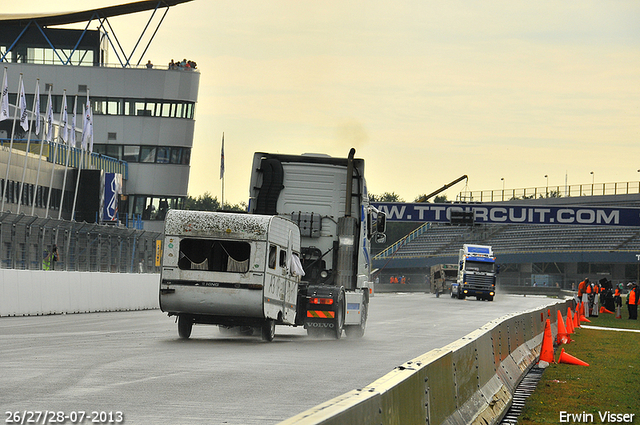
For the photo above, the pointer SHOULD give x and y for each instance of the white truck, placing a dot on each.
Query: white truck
(314, 211)
(477, 272)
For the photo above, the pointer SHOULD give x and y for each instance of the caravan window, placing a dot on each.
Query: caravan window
(283, 258)
(214, 255)
(272, 256)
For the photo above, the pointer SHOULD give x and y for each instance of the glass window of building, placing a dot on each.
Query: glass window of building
(186, 156)
(114, 151)
(176, 155)
(166, 110)
(147, 154)
(131, 153)
(163, 155)
(114, 107)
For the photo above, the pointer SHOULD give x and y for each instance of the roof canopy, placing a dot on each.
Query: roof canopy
(62, 18)
(21, 31)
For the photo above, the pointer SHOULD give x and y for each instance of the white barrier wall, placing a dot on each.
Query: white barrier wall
(39, 292)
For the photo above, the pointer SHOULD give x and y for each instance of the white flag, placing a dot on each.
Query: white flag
(49, 118)
(64, 128)
(72, 135)
(87, 126)
(37, 107)
(4, 98)
(24, 114)
(90, 130)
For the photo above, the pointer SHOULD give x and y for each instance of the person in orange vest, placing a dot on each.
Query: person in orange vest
(582, 295)
(632, 301)
(617, 300)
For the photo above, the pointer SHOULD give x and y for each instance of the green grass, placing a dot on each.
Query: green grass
(611, 382)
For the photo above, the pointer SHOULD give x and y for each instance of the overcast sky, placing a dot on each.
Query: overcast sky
(424, 90)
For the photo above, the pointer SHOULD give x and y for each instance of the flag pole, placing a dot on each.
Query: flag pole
(222, 171)
(13, 129)
(35, 189)
(83, 147)
(65, 135)
(26, 156)
(55, 158)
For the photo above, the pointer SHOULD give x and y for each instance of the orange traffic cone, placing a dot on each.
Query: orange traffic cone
(579, 318)
(604, 310)
(546, 353)
(570, 329)
(563, 335)
(569, 359)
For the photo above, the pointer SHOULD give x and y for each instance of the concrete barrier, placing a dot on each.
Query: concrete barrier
(470, 381)
(37, 292)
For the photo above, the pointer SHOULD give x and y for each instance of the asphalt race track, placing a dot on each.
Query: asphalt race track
(134, 362)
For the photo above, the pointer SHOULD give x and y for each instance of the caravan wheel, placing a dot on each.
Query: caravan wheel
(268, 330)
(185, 324)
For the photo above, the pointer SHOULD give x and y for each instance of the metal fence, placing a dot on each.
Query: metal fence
(594, 189)
(26, 242)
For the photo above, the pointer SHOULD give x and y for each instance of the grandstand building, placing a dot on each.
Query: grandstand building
(143, 116)
(529, 254)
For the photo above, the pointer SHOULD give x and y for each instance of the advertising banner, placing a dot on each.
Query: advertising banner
(112, 192)
(512, 214)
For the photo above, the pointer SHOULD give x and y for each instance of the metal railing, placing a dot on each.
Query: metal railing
(26, 242)
(593, 189)
(394, 247)
(91, 160)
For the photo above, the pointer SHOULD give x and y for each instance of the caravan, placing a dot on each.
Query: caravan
(229, 269)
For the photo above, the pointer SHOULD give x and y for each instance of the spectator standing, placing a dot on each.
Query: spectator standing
(632, 301)
(584, 296)
(617, 300)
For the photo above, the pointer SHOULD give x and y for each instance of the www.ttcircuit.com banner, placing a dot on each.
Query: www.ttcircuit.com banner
(513, 214)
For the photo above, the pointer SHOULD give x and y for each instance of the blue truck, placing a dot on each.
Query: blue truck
(477, 272)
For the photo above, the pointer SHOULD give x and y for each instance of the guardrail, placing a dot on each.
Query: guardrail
(593, 189)
(470, 381)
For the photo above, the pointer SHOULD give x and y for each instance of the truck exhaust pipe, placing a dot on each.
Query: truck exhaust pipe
(347, 206)
(346, 255)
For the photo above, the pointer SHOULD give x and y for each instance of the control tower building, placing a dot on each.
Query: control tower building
(143, 116)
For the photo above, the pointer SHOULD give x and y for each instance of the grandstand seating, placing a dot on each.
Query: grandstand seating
(442, 240)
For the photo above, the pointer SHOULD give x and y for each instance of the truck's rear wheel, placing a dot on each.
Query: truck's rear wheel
(268, 330)
(185, 324)
(357, 331)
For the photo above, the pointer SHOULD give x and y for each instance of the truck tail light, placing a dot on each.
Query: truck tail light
(326, 301)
